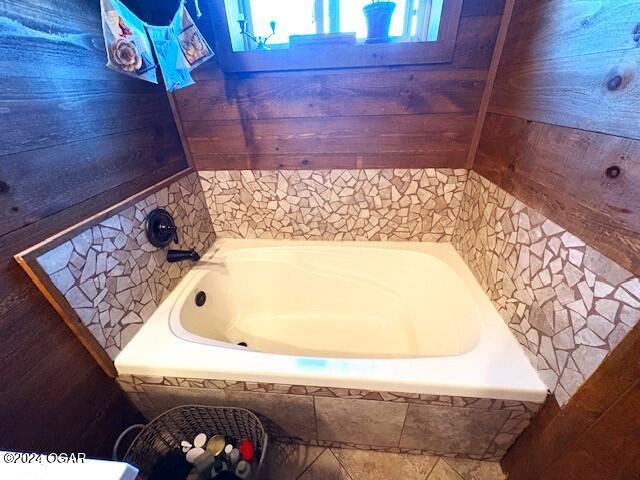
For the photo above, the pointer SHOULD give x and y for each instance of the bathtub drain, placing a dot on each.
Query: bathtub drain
(201, 298)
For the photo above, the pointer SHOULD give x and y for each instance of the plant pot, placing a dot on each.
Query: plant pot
(378, 17)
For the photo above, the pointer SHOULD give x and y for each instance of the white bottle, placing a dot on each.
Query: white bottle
(234, 457)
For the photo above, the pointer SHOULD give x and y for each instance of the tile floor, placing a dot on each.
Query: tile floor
(292, 462)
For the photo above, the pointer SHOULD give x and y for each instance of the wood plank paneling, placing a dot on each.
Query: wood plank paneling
(574, 92)
(411, 116)
(367, 135)
(66, 51)
(476, 40)
(314, 161)
(30, 104)
(556, 123)
(13, 290)
(550, 29)
(561, 172)
(330, 94)
(76, 138)
(91, 167)
(484, 7)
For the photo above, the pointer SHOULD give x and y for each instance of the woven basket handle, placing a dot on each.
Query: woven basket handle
(114, 456)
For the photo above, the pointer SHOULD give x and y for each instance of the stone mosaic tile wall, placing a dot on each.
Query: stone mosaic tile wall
(476, 428)
(113, 277)
(419, 205)
(567, 304)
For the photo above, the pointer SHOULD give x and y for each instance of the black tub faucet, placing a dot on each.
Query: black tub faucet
(182, 255)
(162, 230)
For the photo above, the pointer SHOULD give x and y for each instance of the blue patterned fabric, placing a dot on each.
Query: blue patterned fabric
(179, 47)
(175, 69)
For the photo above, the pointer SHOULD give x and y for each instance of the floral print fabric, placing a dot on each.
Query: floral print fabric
(127, 43)
(179, 47)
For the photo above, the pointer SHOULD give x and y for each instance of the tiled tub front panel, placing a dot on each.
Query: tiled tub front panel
(381, 204)
(567, 304)
(111, 275)
(396, 422)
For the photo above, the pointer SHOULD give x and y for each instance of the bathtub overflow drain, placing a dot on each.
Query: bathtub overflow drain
(243, 344)
(201, 298)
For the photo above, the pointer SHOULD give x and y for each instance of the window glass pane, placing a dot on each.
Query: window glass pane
(352, 18)
(397, 21)
(434, 21)
(296, 17)
(292, 17)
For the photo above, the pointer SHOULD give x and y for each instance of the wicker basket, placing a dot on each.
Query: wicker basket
(164, 433)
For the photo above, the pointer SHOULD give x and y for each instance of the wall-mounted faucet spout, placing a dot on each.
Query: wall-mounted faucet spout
(182, 255)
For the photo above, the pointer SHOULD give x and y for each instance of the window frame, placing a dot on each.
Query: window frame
(334, 56)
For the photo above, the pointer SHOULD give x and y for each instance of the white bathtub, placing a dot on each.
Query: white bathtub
(406, 317)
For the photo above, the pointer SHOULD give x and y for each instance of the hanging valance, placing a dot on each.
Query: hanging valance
(130, 43)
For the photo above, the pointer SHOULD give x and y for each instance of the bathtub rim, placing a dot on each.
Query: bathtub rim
(156, 351)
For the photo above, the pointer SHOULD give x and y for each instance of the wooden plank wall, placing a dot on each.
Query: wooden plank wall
(412, 116)
(76, 138)
(564, 109)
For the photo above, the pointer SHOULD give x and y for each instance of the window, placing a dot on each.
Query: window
(412, 20)
(313, 34)
(292, 17)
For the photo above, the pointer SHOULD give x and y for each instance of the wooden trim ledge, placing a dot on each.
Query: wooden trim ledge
(27, 259)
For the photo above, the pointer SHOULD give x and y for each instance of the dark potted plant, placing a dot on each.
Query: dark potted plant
(378, 15)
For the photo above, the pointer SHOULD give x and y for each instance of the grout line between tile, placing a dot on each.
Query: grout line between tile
(432, 468)
(454, 468)
(310, 464)
(460, 476)
(315, 419)
(404, 422)
(314, 458)
(317, 456)
(339, 462)
(454, 235)
(497, 433)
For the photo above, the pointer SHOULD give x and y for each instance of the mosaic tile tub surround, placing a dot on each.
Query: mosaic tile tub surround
(371, 204)
(476, 428)
(110, 274)
(567, 304)
(114, 279)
